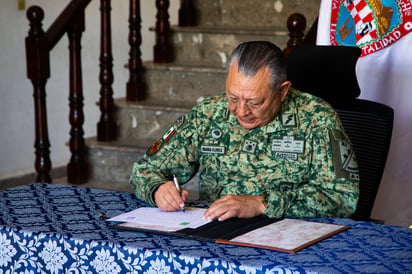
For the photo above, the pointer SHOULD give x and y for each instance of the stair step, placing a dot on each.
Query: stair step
(211, 46)
(181, 85)
(112, 161)
(257, 13)
(140, 124)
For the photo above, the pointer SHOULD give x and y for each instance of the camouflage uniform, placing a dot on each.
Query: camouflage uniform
(302, 161)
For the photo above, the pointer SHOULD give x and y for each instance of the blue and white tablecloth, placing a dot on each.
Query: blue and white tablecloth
(47, 228)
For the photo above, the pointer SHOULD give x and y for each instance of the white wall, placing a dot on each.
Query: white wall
(16, 101)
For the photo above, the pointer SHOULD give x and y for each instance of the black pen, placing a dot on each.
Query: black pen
(178, 189)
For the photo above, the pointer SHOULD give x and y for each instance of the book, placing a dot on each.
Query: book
(286, 235)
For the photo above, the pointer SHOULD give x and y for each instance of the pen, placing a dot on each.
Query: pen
(178, 188)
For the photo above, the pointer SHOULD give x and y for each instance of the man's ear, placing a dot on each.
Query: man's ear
(284, 88)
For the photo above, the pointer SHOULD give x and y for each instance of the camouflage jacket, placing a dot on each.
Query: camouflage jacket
(302, 161)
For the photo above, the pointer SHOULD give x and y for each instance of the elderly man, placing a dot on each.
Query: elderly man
(261, 148)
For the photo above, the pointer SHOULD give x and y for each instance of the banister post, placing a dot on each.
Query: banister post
(162, 49)
(187, 13)
(38, 71)
(135, 88)
(77, 168)
(106, 127)
(296, 25)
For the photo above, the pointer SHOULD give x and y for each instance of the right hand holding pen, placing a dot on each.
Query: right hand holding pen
(168, 198)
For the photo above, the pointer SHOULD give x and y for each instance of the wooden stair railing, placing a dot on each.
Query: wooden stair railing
(106, 127)
(135, 87)
(39, 44)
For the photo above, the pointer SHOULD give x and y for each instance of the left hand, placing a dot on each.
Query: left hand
(241, 206)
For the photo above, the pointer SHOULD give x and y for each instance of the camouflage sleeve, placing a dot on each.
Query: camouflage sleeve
(332, 188)
(172, 153)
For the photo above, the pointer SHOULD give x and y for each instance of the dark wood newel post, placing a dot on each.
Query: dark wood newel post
(38, 71)
(106, 127)
(162, 49)
(135, 88)
(77, 167)
(296, 25)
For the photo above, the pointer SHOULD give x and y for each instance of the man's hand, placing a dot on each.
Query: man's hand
(242, 206)
(168, 198)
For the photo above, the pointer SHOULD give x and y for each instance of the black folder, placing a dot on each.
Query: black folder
(210, 232)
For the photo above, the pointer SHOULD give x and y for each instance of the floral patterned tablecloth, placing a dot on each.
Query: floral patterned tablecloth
(47, 228)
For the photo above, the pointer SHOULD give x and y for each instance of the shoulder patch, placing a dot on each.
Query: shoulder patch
(166, 136)
(155, 147)
(180, 121)
(344, 158)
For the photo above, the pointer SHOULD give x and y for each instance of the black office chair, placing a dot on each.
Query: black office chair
(329, 72)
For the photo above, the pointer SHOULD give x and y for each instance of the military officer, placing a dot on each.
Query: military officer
(261, 148)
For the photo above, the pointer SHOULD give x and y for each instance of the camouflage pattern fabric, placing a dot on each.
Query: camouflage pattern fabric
(302, 161)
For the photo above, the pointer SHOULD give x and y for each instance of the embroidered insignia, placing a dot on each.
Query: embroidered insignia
(370, 24)
(168, 134)
(216, 133)
(179, 122)
(288, 119)
(284, 155)
(155, 147)
(212, 149)
(249, 146)
(348, 157)
(354, 176)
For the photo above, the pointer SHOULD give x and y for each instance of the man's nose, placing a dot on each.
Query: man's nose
(242, 109)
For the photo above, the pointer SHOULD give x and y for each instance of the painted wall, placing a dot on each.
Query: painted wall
(16, 92)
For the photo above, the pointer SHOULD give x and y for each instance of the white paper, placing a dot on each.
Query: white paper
(154, 218)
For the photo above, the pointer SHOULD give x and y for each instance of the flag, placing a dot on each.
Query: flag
(383, 31)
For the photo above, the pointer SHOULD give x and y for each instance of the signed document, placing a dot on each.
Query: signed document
(153, 218)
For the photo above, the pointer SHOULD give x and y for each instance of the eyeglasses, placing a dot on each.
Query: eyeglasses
(250, 106)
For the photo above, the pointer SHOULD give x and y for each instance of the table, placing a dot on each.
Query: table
(56, 229)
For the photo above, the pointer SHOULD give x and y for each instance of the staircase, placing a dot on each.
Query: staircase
(198, 71)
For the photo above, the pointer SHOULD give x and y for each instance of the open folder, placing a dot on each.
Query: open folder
(287, 235)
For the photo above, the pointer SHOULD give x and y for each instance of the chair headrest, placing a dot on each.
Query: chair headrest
(325, 71)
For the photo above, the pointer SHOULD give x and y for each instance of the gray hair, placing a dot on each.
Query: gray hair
(254, 55)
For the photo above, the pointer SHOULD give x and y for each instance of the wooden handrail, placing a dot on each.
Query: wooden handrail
(64, 20)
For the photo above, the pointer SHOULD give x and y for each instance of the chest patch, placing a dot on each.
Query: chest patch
(212, 146)
(288, 144)
(249, 146)
(287, 147)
